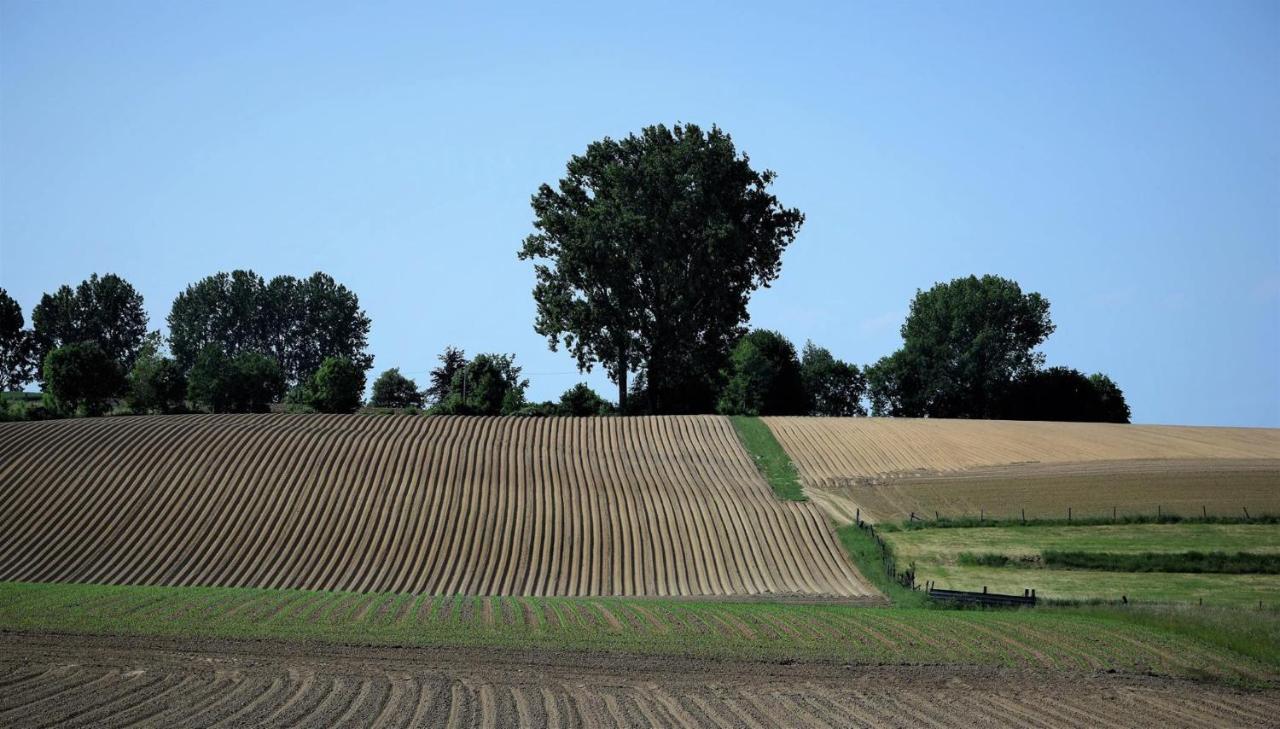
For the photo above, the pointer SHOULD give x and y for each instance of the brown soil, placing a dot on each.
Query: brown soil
(48, 680)
(660, 506)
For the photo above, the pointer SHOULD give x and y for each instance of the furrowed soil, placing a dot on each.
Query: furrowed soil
(888, 468)
(53, 680)
(659, 506)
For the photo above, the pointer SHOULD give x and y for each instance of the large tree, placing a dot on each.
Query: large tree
(81, 379)
(299, 322)
(16, 361)
(764, 378)
(964, 343)
(647, 251)
(104, 310)
(490, 384)
(834, 387)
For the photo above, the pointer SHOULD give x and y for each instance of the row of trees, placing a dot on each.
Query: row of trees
(239, 344)
(647, 251)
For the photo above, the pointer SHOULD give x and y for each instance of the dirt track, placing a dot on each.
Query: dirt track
(439, 505)
(48, 680)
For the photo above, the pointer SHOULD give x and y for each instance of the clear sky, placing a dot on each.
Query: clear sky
(1123, 159)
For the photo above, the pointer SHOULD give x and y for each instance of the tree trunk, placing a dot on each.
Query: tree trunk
(622, 388)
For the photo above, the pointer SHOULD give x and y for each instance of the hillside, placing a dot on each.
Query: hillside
(664, 506)
(890, 467)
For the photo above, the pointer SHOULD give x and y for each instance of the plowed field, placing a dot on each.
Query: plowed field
(889, 468)
(669, 506)
(121, 682)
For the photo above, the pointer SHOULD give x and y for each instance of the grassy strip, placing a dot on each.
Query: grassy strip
(774, 463)
(1226, 563)
(866, 555)
(970, 522)
(825, 633)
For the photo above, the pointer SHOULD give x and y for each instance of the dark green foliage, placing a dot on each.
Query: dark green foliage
(107, 311)
(452, 360)
(1238, 563)
(394, 390)
(337, 387)
(490, 384)
(774, 463)
(993, 560)
(544, 409)
(1064, 394)
(17, 359)
(581, 400)
(647, 252)
(1112, 407)
(249, 382)
(833, 387)
(156, 383)
(763, 378)
(964, 342)
(298, 322)
(81, 379)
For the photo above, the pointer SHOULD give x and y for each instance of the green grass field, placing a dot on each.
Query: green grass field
(936, 553)
(1050, 639)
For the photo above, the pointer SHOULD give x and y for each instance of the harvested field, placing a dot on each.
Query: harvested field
(663, 506)
(889, 468)
(53, 680)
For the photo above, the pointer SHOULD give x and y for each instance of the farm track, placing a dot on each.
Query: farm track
(662, 506)
(50, 680)
(891, 467)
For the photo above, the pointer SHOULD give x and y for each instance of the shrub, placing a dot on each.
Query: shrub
(156, 383)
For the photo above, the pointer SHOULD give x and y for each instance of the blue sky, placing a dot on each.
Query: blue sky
(1123, 159)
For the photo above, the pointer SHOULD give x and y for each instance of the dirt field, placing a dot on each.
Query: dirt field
(889, 468)
(49, 680)
(440, 505)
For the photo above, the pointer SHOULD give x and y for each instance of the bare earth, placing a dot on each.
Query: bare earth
(659, 506)
(52, 680)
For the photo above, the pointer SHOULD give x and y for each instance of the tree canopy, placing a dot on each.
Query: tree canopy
(764, 377)
(452, 360)
(81, 379)
(299, 322)
(490, 384)
(107, 311)
(337, 387)
(646, 253)
(249, 382)
(964, 342)
(156, 383)
(581, 400)
(833, 387)
(394, 390)
(1065, 394)
(17, 361)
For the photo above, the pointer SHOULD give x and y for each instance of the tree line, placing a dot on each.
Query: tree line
(645, 255)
